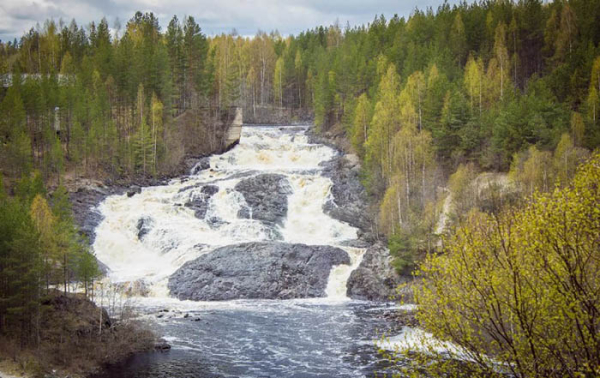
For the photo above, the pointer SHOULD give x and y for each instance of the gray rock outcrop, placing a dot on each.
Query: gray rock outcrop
(268, 270)
(202, 164)
(144, 226)
(375, 279)
(266, 196)
(199, 203)
(133, 190)
(349, 202)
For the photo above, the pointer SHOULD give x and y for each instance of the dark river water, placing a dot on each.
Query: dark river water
(267, 339)
(329, 337)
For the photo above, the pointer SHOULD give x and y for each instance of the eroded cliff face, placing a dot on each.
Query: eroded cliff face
(375, 278)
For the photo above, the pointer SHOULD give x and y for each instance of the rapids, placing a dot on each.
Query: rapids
(319, 337)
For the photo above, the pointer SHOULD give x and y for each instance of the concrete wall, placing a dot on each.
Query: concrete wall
(269, 115)
(235, 129)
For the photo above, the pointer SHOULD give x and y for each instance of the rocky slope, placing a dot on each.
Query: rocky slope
(375, 278)
(349, 198)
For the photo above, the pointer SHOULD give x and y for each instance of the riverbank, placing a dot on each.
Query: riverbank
(75, 339)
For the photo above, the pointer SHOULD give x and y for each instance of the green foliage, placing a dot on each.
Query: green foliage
(487, 80)
(463, 188)
(39, 247)
(403, 252)
(20, 270)
(516, 291)
(360, 126)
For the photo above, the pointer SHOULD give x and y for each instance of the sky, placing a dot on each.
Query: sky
(214, 17)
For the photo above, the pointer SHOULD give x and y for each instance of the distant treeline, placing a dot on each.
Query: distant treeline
(427, 102)
(471, 83)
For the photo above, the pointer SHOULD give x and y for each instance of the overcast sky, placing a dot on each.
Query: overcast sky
(246, 16)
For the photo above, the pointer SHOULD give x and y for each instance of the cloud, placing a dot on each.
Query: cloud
(246, 16)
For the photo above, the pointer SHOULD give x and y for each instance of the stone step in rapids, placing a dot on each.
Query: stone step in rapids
(265, 270)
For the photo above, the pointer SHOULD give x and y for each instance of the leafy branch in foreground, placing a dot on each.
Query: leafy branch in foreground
(519, 292)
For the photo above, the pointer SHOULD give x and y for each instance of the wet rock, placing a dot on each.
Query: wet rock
(190, 187)
(216, 222)
(144, 225)
(209, 190)
(268, 270)
(162, 345)
(375, 279)
(400, 317)
(349, 198)
(168, 245)
(84, 202)
(202, 164)
(266, 196)
(199, 202)
(133, 190)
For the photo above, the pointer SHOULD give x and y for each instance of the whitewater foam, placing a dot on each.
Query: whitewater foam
(177, 236)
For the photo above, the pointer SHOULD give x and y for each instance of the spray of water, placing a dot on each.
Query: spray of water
(174, 235)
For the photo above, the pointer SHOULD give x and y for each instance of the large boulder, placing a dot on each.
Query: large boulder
(266, 196)
(201, 165)
(133, 190)
(375, 279)
(199, 201)
(268, 270)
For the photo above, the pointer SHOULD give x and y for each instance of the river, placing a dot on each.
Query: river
(145, 238)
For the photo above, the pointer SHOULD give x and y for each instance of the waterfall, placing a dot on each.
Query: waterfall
(149, 236)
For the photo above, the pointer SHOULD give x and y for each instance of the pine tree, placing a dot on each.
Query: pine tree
(67, 239)
(501, 54)
(299, 71)
(566, 33)
(19, 153)
(174, 42)
(87, 269)
(20, 272)
(458, 39)
(44, 222)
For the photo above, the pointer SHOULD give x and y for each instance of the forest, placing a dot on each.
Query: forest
(488, 102)
(486, 86)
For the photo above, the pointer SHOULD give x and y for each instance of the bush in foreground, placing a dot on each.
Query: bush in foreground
(519, 292)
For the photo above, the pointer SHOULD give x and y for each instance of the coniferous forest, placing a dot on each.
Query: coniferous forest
(493, 104)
